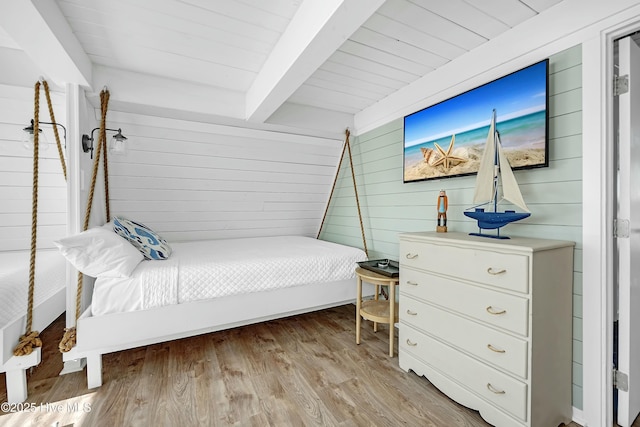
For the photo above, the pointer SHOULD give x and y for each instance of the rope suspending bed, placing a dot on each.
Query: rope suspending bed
(69, 338)
(31, 339)
(346, 147)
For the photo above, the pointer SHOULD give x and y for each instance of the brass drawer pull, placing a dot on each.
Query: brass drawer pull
(493, 272)
(497, 350)
(409, 282)
(411, 256)
(491, 310)
(412, 313)
(492, 389)
(412, 344)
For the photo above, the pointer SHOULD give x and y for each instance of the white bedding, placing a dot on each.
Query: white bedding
(14, 281)
(217, 268)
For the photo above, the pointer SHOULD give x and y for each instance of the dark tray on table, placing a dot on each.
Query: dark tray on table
(392, 270)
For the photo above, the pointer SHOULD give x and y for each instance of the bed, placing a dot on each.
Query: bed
(206, 286)
(49, 303)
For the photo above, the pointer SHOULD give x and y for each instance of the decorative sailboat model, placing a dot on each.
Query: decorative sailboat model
(495, 169)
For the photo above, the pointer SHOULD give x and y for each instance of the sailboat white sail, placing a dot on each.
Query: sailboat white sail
(485, 190)
(494, 170)
(510, 188)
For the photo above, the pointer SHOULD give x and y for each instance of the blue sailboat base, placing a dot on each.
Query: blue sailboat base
(494, 220)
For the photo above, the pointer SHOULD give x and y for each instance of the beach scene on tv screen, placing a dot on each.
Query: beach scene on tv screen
(447, 139)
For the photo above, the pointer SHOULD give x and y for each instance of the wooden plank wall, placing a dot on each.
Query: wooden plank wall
(195, 181)
(16, 166)
(553, 194)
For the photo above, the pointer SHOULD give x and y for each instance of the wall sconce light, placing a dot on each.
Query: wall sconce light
(117, 145)
(27, 139)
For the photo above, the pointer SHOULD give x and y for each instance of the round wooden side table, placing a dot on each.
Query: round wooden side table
(376, 310)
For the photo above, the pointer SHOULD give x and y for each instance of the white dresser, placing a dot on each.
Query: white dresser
(489, 322)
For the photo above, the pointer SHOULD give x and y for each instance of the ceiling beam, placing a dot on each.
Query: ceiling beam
(150, 93)
(41, 30)
(317, 30)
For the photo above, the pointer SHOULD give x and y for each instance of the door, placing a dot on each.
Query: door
(628, 240)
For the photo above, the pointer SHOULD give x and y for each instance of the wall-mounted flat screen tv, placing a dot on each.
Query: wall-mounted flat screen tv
(447, 139)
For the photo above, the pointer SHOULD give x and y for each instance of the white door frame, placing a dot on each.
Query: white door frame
(598, 127)
(627, 295)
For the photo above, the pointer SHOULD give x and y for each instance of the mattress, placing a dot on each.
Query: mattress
(50, 277)
(217, 268)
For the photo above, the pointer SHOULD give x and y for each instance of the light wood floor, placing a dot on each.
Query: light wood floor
(300, 371)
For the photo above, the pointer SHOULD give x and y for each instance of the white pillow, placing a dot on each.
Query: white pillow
(100, 252)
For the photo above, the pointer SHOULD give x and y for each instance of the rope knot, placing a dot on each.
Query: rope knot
(68, 340)
(27, 343)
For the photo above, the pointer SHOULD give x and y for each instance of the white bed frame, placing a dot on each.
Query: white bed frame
(120, 331)
(16, 367)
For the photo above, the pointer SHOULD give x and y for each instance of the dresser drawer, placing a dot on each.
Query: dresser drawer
(495, 308)
(500, 349)
(505, 271)
(498, 388)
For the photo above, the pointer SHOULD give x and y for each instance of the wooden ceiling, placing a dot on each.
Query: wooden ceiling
(253, 60)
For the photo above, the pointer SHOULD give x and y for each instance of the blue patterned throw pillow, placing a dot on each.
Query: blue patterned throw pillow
(143, 238)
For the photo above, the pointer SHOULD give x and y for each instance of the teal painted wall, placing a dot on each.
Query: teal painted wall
(390, 207)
